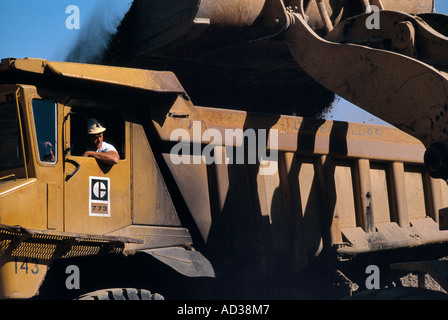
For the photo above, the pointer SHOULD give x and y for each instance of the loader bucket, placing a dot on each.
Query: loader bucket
(228, 53)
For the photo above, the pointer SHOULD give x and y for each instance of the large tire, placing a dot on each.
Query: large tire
(121, 294)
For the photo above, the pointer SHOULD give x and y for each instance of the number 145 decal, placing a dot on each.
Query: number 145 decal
(25, 266)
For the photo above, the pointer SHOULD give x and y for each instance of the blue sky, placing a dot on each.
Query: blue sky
(37, 28)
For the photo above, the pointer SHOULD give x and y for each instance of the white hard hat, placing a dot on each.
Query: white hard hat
(94, 127)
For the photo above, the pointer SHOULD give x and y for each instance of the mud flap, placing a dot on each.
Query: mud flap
(187, 262)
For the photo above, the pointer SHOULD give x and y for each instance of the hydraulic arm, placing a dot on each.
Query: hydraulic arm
(390, 63)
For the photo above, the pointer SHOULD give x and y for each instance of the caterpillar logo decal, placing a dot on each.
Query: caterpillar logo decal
(99, 201)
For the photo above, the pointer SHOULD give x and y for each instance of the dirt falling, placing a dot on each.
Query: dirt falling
(209, 81)
(96, 32)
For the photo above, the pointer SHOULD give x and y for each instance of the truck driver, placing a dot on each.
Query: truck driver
(97, 148)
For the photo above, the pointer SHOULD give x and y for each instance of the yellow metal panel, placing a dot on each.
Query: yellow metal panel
(52, 207)
(20, 204)
(443, 189)
(415, 192)
(356, 140)
(193, 184)
(345, 195)
(78, 217)
(152, 203)
(267, 188)
(49, 175)
(312, 203)
(21, 278)
(308, 193)
(30, 65)
(380, 196)
(296, 230)
(400, 210)
(160, 81)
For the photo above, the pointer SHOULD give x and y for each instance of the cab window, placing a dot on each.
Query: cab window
(112, 120)
(45, 121)
(11, 155)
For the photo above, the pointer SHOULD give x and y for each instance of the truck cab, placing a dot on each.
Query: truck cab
(49, 189)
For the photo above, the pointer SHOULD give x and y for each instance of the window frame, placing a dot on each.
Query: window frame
(113, 120)
(36, 134)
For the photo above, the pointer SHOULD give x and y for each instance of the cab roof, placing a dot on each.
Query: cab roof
(157, 81)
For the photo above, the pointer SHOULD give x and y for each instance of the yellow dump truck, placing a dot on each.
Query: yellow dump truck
(211, 202)
(341, 192)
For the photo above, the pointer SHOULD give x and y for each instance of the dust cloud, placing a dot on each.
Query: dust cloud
(96, 32)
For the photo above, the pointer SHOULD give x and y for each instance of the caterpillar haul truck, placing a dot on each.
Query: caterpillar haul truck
(322, 201)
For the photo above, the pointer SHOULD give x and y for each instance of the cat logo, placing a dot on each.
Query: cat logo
(99, 202)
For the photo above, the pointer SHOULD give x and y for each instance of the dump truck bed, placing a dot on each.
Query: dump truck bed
(347, 188)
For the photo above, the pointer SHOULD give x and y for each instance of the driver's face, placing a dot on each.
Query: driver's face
(96, 140)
